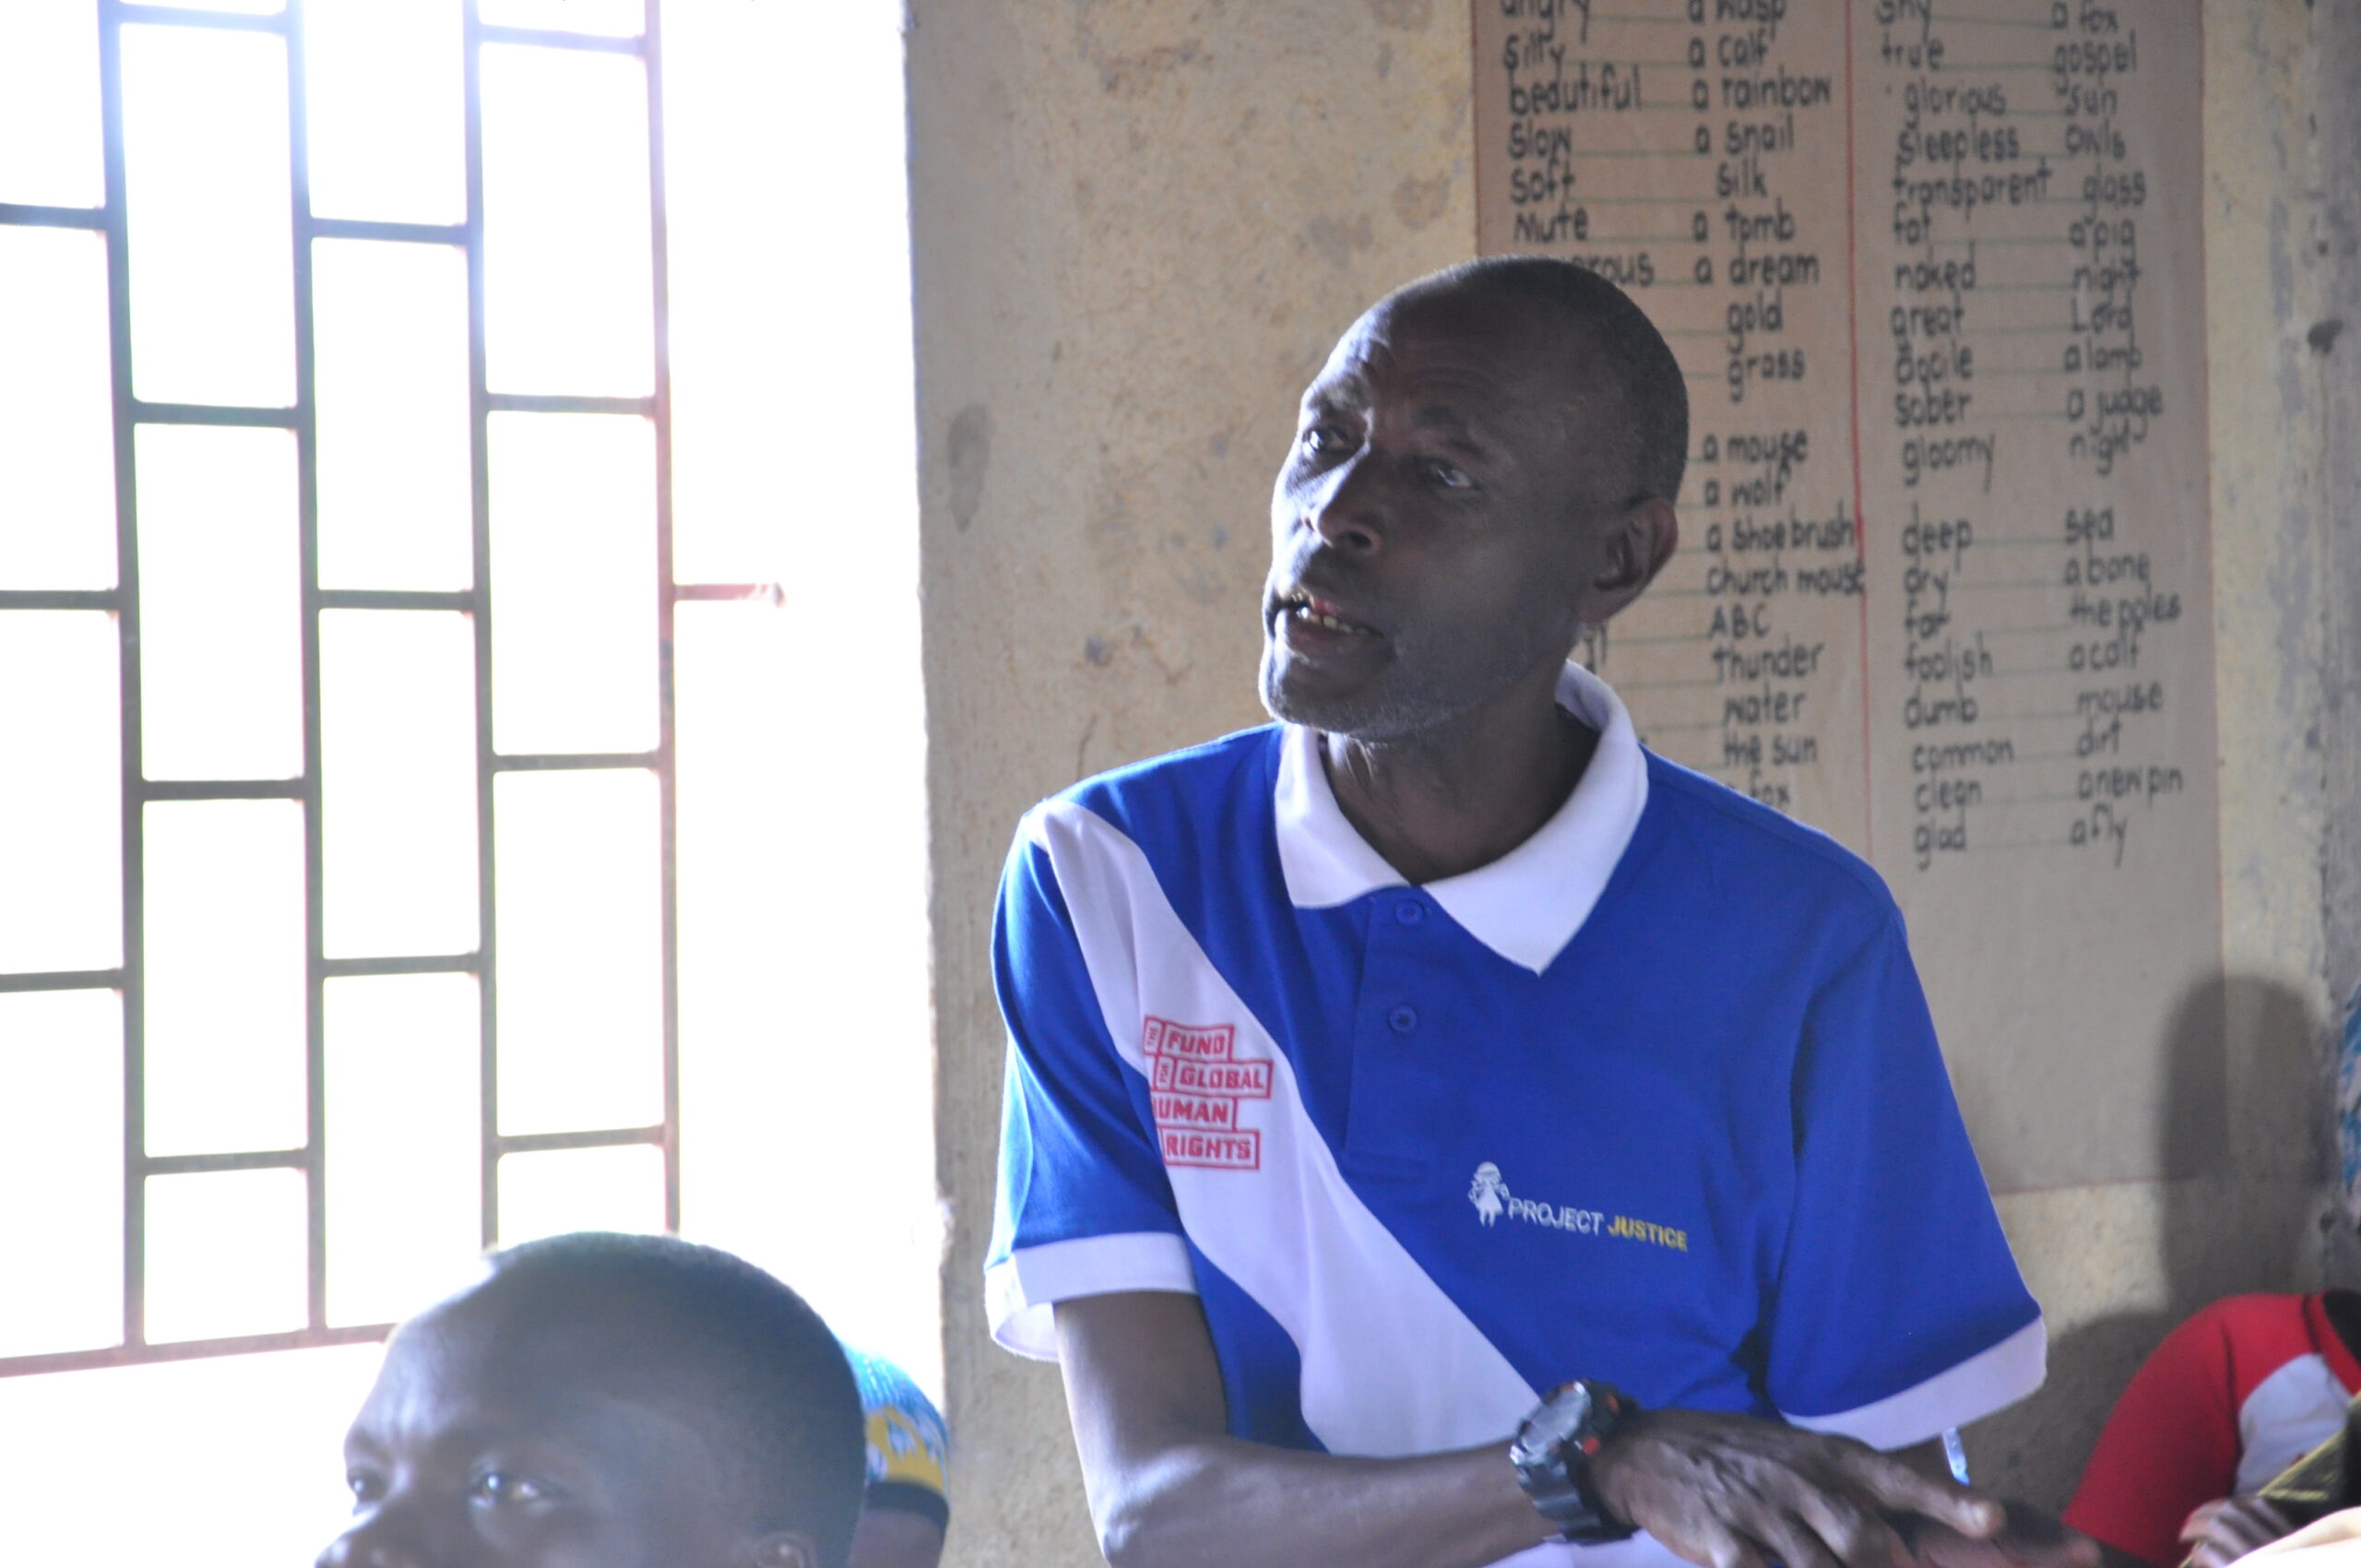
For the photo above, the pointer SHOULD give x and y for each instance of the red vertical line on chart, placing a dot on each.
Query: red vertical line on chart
(1853, 347)
(1476, 171)
(2205, 395)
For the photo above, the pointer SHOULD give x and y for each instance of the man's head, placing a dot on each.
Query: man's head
(604, 1401)
(1487, 464)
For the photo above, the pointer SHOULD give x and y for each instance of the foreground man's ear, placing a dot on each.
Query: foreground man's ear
(1638, 544)
(784, 1549)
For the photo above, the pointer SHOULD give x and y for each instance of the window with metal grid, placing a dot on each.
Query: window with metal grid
(338, 817)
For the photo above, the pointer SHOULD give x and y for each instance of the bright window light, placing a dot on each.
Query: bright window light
(63, 1051)
(389, 326)
(581, 1189)
(566, 276)
(573, 579)
(239, 1460)
(212, 265)
(393, 662)
(225, 1254)
(223, 909)
(56, 408)
(405, 1223)
(397, 786)
(805, 1012)
(612, 18)
(371, 63)
(61, 823)
(221, 628)
(236, 8)
(49, 104)
(580, 969)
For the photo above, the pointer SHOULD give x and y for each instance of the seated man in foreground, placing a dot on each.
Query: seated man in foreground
(1438, 1065)
(604, 1401)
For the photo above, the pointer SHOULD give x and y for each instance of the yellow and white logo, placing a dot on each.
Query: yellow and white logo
(1490, 1193)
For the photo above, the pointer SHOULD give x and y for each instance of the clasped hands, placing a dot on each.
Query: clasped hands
(1731, 1491)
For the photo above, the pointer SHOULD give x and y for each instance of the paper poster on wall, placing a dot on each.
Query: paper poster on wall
(1934, 271)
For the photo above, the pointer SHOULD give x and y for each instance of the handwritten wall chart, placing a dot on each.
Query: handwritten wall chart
(1934, 270)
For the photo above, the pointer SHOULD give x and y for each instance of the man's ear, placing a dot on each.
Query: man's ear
(784, 1549)
(1638, 544)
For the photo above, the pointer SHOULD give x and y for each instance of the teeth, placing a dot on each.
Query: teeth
(1299, 604)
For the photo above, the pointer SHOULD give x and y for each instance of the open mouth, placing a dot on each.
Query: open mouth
(1303, 609)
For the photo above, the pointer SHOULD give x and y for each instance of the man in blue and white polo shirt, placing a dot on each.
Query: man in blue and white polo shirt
(1438, 1066)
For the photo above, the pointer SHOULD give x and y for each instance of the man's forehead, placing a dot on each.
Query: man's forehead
(491, 1341)
(452, 1373)
(441, 1366)
(1450, 347)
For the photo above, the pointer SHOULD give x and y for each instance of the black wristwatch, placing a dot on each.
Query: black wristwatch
(1552, 1453)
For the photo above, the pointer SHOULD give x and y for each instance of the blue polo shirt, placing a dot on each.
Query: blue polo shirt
(1653, 1099)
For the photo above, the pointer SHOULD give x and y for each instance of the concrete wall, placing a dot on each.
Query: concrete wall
(2115, 1267)
(2337, 246)
(1139, 224)
(1138, 227)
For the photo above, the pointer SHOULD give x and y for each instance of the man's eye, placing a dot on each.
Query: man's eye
(506, 1486)
(367, 1486)
(1451, 476)
(1325, 441)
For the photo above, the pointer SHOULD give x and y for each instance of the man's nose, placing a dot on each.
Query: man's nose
(1348, 512)
(379, 1541)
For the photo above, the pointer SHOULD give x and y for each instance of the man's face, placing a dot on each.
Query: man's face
(1441, 524)
(462, 1458)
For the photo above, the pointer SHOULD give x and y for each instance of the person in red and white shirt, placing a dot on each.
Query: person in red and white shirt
(2233, 1396)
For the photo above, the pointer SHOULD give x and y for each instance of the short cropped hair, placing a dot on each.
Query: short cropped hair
(1655, 395)
(751, 1366)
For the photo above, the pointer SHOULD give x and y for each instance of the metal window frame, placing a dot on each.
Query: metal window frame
(312, 1159)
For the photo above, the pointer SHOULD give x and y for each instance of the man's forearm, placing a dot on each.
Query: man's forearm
(1169, 1487)
(1238, 1504)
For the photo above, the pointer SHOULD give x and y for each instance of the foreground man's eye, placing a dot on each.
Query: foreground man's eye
(504, 1487)
(367, 1486)
(1451, 476)
(1325, 441)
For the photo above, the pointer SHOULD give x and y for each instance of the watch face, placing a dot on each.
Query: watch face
(1553, 1424)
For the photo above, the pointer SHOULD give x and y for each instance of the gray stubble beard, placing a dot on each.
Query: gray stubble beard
(1394, 709)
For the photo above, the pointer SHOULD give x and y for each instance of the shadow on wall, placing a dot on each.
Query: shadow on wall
(2247, 1204)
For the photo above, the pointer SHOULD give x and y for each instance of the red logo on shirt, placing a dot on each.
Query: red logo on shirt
(1197, 1086)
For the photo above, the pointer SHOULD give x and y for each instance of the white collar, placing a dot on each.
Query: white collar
(1526, 906)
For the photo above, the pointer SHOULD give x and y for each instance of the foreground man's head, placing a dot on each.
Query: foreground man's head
(1487, 465)
(605, 1401)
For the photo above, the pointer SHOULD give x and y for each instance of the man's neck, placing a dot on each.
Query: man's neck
(1460, 796)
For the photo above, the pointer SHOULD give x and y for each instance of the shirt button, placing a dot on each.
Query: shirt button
(1409, 911)
(1402, 1020)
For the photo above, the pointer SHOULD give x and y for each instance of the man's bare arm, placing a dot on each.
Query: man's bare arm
(1169, 1487)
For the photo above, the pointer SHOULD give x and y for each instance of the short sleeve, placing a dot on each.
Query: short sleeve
(2324, 1480)
(2170, 1443)
(1898, 1310)
(1083, 1208)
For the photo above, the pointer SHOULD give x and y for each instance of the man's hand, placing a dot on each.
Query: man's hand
(2336, 1530)
(2220, 1532)
(1729, 1492)
(2026, 1537)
